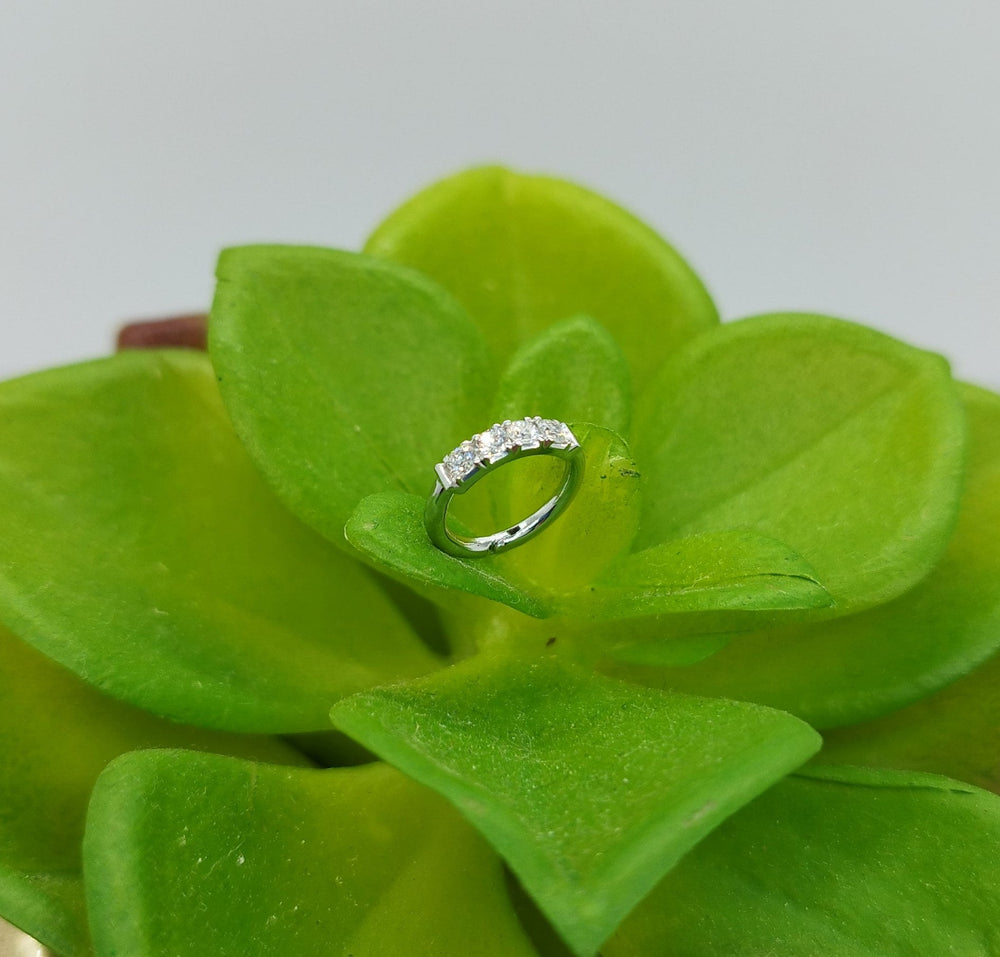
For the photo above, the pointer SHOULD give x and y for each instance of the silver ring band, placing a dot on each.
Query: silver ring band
(487, 451)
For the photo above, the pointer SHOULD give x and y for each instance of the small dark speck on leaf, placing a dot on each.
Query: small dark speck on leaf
(628, 473)
(550, 642)
(603, 477)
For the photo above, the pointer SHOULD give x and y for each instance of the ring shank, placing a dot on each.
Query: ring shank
(436, 514)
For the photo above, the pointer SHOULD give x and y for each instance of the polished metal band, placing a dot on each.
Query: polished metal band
(487, 451)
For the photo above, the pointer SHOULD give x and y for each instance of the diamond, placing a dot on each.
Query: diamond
(489, 447)
(557, 433)
(550, 430)
(490, 444)
(460, 462)
(523, 432)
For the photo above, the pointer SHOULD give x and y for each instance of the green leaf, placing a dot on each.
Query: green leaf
(644, 643)
(832, 438)
(191, 855)
(865, 665)
(573, 371)
(955, 731)
(344, 375)
(141, 549)
(834, 861)
(597, 527)
(738, 571)
(388, 529)
(521, 252)
(56, 735)
(590, 789)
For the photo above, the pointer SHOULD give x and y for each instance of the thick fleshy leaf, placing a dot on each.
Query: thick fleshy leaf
(590, 789)
(388, 529)
(856, 668)
(843, 443)
(140, 548)
(834, 861)
(736, 571)
(573, 371)
(521, 252)
(343, 374)
(56, 735)
(597, 528)
(189, 855)
(955, 732)
(653, 641)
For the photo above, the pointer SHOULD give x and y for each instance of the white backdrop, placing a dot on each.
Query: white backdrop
(839, 157)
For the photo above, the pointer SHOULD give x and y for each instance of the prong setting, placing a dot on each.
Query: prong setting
(498, 441)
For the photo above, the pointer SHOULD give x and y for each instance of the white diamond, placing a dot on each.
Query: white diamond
(491, 443)
(460, 461)
(524, 432)
(550, 430)
(558, 433)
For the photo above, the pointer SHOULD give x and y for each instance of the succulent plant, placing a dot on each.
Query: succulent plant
(741, 698)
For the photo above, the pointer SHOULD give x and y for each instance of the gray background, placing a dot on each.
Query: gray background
(838, 157)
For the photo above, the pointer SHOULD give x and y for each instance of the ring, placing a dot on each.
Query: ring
(487, 451)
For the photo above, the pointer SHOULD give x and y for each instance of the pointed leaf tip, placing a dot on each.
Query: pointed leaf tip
(590, 789)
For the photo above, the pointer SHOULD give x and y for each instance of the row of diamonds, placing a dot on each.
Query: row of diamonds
(501, 438)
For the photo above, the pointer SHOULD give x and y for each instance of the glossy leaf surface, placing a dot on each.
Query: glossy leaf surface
(590, 789)
(344, 375)
(859, 667)
(521, 252)
(140, 548)
(191, 854)
(56, 735)
(842, 443)
(834, 861)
